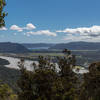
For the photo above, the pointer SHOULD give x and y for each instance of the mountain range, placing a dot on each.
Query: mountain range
(77, 46)
(72, 45)
(38, 45)
(8, 47)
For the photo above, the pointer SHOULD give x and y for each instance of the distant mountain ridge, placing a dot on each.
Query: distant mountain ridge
(8, 47)
(71, 45)
(36, 45)
(77, 46)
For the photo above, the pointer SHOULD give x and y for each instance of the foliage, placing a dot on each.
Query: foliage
(46, 83)
(50, 81)
(2, 14)
(6, 92)
(91, 86)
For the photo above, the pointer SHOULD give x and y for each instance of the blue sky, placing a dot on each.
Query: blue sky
(51, 21)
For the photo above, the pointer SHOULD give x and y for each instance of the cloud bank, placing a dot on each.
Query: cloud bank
(82, 33)
(43, 32)
(91, 31)
(90, 34)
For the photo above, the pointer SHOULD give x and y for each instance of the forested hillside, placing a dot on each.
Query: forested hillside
(7, 47)
(34, 45)
(77, 46)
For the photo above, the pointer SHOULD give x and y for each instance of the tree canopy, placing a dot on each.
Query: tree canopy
(2, 14)
(46, 83)
(91, 86)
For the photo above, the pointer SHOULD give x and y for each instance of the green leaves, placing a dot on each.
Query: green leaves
(91, 85)
(2, 14)
(6, 92)
(45, 83)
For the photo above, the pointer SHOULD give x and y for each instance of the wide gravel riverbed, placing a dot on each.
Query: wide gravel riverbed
(28, 64)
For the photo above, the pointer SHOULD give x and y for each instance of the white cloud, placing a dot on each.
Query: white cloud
(90, 34)
(3, 29)
(73, 38)
(93, 31)
(30, 26)
(43, 32)
(16, 28)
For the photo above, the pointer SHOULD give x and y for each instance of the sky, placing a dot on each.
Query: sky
(51, 21)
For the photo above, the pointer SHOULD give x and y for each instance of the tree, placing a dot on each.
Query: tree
(91, 84)
(68, 77)
(46, 83)
(40, 84)
(2, 14)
